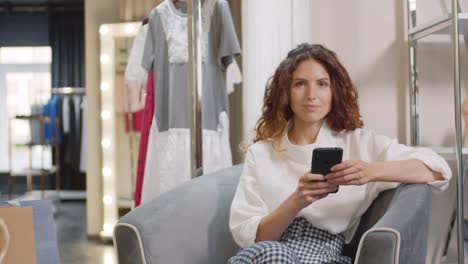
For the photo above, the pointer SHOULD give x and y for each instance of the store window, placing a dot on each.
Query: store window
(25, 55)
(25, 83)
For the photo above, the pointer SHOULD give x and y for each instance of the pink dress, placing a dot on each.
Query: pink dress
(145, 130)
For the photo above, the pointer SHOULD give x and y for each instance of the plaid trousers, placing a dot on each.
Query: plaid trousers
(301, 243)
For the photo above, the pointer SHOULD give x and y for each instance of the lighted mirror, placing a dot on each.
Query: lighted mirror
(119, 142)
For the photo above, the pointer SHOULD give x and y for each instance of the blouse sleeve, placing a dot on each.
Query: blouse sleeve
(248, 207)
(390, 150)
(228, 46)
(150, 42)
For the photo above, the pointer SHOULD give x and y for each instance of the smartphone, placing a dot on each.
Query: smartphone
(323, 159)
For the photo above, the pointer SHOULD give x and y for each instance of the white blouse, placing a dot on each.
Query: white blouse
(271, 174)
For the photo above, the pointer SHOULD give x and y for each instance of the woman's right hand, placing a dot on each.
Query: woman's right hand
(312, 187)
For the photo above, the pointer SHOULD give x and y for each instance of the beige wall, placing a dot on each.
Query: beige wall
(370, 38)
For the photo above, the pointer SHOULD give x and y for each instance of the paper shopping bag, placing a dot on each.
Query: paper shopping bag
(18, 239)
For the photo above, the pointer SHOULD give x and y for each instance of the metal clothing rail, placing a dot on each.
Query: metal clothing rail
(414, 34)
(195, 85)
(69, 90)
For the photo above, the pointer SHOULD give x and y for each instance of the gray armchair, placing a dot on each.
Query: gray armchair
(190, 225)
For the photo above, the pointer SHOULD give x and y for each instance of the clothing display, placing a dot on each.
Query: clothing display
(168, 160)
(135, 75)
(233, 77)
(145, 133)
(121, 94)
(35, 126)
(127, 101)
(50, 110)
(136, 122)
(83, 137)
(300, 243)
(278, 168)
(166, 49)
(71, 119)
(64, 113)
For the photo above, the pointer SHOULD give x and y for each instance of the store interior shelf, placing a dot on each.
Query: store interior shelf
(35, 117)
(32, 172)
(441, 26)
(448, 150)
(33, 144)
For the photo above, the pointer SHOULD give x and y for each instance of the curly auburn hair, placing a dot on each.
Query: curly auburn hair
(276, 112)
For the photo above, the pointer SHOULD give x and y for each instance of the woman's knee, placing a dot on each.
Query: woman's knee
(265, 252)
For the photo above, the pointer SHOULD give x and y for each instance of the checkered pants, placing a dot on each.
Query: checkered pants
(301, 243)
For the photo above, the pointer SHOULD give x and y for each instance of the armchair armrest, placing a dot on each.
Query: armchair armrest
(401, 234)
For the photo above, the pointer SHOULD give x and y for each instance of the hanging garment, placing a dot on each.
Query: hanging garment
(168, 161)
(166, 48)
(50, 110)
(137, 121)
(71, 148)
(65, 115)
(145, 130)
(77, 141)
(121, 100)
(233, 77)
(83, 137)
(35, 126)
(123, 104)
(135, 74)
(68, 148)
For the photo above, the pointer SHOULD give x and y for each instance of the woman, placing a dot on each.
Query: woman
(282, 213)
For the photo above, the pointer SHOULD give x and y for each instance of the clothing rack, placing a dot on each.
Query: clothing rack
(449, 25)
(61, 92)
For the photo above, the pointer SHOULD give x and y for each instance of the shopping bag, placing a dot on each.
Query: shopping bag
(44, 231)
(4, 239)
(19, 245)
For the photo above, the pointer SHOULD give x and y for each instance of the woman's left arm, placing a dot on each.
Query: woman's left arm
(389, 161)
(358, 172)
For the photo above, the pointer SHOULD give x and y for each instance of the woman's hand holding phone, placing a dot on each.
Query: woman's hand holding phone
(313, 187)
(351, 172)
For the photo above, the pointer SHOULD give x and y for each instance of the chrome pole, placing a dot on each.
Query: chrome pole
(195, 84)
(413, 75)
(458, 128)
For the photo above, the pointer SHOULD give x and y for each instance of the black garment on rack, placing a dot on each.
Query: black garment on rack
(70, 149)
